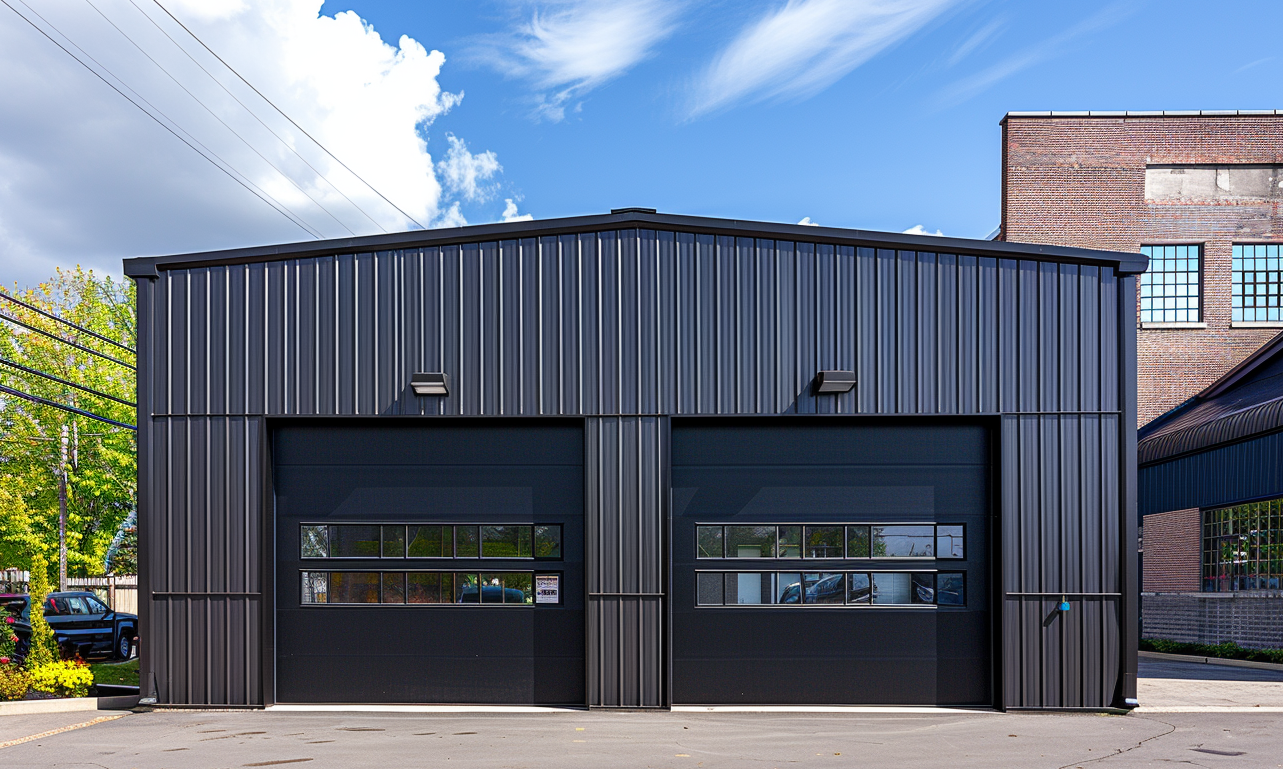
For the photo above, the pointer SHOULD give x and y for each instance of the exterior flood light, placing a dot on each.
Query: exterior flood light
(834, 381)
(430, 383)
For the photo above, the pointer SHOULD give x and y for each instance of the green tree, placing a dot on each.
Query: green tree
(101, 458)
(41, 650)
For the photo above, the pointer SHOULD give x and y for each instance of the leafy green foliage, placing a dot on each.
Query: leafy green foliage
(42, 650)
(1227, 650)
(101, 459)
(14, 682)
(8, 639)
(66, 678)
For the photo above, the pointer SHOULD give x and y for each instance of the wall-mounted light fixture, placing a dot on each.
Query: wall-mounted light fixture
(834, 381)
(430, 383)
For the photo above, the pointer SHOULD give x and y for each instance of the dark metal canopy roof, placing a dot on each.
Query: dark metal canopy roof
(1246, 401)
(1124, 263)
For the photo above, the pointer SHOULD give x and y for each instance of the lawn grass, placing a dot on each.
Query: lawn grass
(121, 673)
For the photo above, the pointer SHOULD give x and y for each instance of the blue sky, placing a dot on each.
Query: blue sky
(875, 114)
(909, 137)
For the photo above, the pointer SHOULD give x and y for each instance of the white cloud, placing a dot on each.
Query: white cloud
(806, 220)
(971, 86)
(804, 47)
(85, 177)
(569, 47)
(510, 212)
(463, 172)
(918, 229)
(978, 40)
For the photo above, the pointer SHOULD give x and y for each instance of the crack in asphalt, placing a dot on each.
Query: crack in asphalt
(1170, 728)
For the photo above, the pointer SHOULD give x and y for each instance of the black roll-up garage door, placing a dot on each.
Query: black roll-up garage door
(830, 562)
(437, 563)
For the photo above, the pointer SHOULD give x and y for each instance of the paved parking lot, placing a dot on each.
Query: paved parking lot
(1150, 737)
(597, 739)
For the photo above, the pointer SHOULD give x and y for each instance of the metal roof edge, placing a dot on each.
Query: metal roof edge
(1141, 113)
(1258, 358)
(1124, 263)
(1245, 424)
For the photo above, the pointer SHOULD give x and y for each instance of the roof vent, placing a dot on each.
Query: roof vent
(632, 211)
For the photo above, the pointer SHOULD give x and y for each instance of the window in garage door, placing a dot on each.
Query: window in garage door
(830, 562)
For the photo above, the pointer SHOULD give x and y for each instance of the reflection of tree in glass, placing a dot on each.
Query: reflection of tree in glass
(315, 541)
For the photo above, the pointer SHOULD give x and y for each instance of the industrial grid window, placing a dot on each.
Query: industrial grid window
(1256, 286)
(429, 540)
(831, 541)
(878, 588)
(1243, 547)
(519, 588)
(1169, 289)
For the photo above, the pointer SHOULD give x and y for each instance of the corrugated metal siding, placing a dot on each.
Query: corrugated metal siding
(1224, 475)
(635, 325)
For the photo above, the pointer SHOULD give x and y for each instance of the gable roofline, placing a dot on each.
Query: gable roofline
(635, 218)
(1244, 368)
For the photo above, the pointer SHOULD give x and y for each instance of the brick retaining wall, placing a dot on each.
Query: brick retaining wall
(1249, 620)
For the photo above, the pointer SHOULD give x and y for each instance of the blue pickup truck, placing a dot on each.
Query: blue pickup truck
(83, 626)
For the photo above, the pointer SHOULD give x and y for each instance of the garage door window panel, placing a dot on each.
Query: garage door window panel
(354, 587)
(790, 541)
(750, 541)
(315, 541)
(708, 542)
(393, 541)
(857, 541)
(788, 588)
(466, 588)
(824, 588)
(548, 542)
(709, 590)
(466, 543)
(393, 587)
(316, 587)
(426, 587)
(431, 541)
(951, 589)
(355, 541)
(903, 541)
(824, 542)
(859, 590)
(951, 541)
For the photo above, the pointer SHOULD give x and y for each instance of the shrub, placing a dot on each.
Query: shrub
(8, 639)
(42, 650)
(14, 682)
(1227, 650)
(66, 678)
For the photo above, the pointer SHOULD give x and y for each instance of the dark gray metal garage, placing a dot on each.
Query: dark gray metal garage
(638, 460)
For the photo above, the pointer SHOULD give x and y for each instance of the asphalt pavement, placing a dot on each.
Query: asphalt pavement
(1238, 735)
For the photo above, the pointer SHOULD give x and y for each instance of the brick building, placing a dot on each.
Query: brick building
(1200, 194)
(1186, 187)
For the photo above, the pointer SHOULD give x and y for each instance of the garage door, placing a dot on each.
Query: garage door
(830, 562)
(430, 564)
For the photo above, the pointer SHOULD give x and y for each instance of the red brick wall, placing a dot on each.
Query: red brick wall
(1081, 182)
(1173, 552)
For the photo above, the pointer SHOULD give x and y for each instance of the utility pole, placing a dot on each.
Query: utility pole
(62, 514)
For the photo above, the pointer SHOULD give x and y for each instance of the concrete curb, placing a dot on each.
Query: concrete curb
(60, 705)
(1212, 661)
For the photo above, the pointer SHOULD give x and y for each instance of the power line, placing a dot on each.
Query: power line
(57, 338)
(52, 378)
(206, 153)
(282, 113)
(57, 405)
(254, 115)
(94, 334)
(213, 114)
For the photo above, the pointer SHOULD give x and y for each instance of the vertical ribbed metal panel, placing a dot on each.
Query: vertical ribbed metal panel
(1217, 476)
(627, 327)
(624, 519)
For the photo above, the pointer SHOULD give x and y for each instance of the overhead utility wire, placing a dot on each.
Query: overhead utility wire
(213, 114)
(282, 113)
(57, 405)
(208, 154)
(57, 338)
(52, 378)
(94, 334)
(254, 115)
